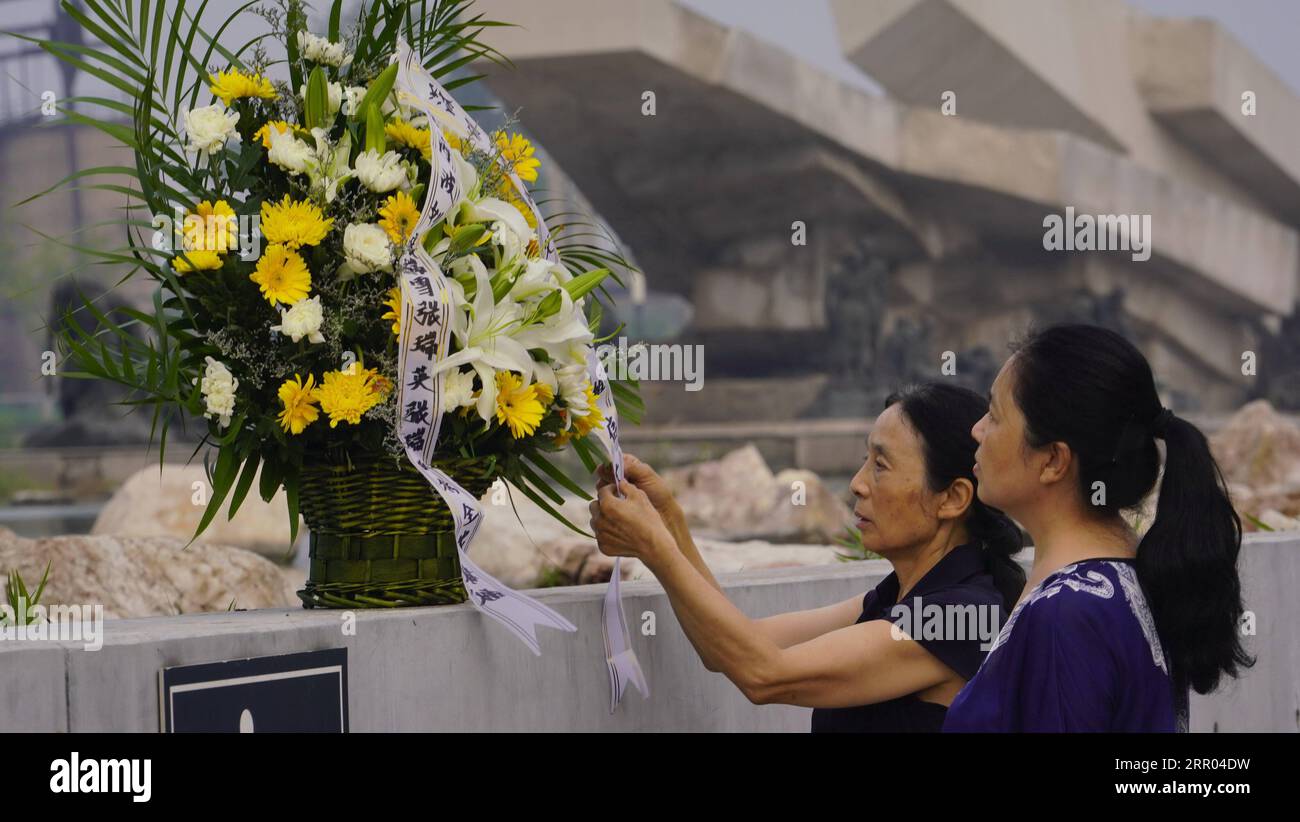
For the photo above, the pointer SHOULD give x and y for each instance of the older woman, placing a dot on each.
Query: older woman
(917, 507)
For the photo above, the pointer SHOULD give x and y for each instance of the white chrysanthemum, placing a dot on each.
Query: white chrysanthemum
(320, 50)
(334, 96)
(302, 319)
(573, 387)
(218, 389)
(381, 173)
(209, 128)
(366, 248)
(290, 153)
(457, 390)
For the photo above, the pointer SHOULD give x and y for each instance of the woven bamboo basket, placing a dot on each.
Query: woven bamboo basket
(381, 536)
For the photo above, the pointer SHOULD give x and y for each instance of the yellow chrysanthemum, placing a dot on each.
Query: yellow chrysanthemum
(399, 217)
(454, 142)
(403, 133)
(582, 426)
(198, 261)
(394, 313)
(544, 393)
(211, 228)
(282, 273)
(294, 223)
(518, 154)
(346, 395)
(299, 401)
(264, 133)
(517, 405)
(234, 84)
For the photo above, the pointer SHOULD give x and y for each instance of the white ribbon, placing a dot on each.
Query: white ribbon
(425, 336)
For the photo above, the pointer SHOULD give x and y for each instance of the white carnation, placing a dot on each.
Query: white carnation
(366, 248)
(209, 128)
(218, 389)
(381, 173)
(320, 50)
(302, 319)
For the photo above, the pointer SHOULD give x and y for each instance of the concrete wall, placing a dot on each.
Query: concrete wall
(449, 669)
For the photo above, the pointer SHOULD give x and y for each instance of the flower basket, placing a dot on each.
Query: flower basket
(381, 537)
(347, 269)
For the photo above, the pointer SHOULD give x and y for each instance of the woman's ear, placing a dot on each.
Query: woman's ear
(957, 499)
(1057, 466)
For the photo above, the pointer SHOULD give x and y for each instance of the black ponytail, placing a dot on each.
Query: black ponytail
(943, 415)
(1187, 563)
(1093, 390)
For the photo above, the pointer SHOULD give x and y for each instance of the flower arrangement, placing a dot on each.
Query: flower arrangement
(272, 214)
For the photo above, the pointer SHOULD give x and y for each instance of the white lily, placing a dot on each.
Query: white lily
(539, 277)
(564, 335)
(484, 330)
(331, 168)
(491, 210)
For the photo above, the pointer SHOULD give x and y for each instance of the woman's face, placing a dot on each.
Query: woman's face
(895, 509)
(1006, 468)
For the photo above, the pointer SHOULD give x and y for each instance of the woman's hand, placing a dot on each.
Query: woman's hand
(630, 526)
(645, 478)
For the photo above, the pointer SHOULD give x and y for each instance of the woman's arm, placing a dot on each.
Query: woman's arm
(854, 665)
(783, 629)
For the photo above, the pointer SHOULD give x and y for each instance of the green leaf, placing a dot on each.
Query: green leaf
(379, 89)
(545, 506)
(291, 478)
(317, 99)
(335, 12)
(585, 282)
(295, 22)
(270, 480)
(245, 481)
(536, 458)
(376, 140)
(222, 477)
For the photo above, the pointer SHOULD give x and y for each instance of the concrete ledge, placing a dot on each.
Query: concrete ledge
(1192, 75)
(449, 669)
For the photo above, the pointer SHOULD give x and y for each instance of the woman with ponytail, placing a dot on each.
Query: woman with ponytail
(891, 660)
(1113, 630)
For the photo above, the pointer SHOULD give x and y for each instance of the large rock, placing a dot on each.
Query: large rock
(145, 576)
(1258, 451)
(150, 505)
(738, 497)
(1258, 447)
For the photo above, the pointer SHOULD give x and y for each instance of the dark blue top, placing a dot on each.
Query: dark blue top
(1079, 653)
(960, 579)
